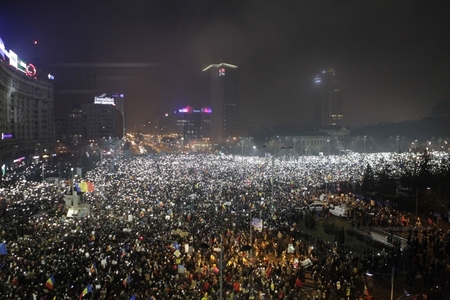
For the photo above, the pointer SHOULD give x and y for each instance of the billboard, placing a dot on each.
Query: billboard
(104, 100)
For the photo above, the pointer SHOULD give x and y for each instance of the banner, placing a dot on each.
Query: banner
(257, 224)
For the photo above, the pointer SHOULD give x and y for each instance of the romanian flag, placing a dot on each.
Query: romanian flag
(87, 290)
(126, 281)
(133, 297)
(93, 268)
(50, 283)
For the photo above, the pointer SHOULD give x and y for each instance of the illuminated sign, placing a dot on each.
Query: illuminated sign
(117, 95)
(222, 72)
(6, 136)
(30, 70)
(2, 49)
(19, 159)
(16, 62)
(104, 100)
(51, 77)
(189, 109)
(186, 109)
(13, 59)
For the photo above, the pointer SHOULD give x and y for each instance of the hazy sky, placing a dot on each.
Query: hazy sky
(392, 57)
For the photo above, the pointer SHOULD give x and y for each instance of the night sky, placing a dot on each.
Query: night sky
(392, 57)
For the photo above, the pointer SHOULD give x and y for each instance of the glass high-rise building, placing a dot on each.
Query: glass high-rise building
(225, 122)
(328, 100)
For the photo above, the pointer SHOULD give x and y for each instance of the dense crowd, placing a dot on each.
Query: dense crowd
(156, 227)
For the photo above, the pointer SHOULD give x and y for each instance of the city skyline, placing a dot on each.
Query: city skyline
(391, 58)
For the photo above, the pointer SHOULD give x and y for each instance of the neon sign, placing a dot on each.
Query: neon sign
(20, 159)
(16, 62)
(186, 109)
(206, 110)
(104, 100)
(30, 70)
(6, 136)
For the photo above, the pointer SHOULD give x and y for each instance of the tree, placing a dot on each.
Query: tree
(368, 182)
(386, 182)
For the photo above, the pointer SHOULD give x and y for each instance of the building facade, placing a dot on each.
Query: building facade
(26, 112)
(225, 121)
(92, 122)
(194, 124)
(328, 100)
(119, 100)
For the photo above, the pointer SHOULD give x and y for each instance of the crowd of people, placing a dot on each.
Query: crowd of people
(157, 226)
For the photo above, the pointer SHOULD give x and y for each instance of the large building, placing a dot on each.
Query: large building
(26, 111)
(225, 121)
(119, 100)
(328, 100)
(194, 124)
(94, 121)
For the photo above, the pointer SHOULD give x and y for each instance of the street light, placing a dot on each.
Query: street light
(364, 140)
(392, 279)
(397, 139)
(295, 140)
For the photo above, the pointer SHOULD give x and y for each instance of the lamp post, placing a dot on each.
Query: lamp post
(295, 140)
(392, 280)
(397, 139)
(328, 146)
(364, 140)
(43, 172)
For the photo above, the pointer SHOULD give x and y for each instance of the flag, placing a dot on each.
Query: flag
(108, 248)
(50, 283)
(92, 238)
(126, 281)
(133, 297)
(77, 187)
(87, 290)
(3, 250)
(93, 268)
(54, 298)
(83, 186)
(90, 186)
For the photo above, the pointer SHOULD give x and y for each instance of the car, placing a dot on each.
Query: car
(339, 211)
(316, 206)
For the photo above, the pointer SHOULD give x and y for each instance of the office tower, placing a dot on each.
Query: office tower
(194, 124)
(225, 122)
(119, 100)
(328, 100)
(95, 121)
